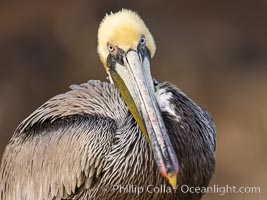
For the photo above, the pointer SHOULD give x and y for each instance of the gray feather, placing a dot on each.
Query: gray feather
(79, 144)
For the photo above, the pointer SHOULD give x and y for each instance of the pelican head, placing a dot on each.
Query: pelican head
(125, 47)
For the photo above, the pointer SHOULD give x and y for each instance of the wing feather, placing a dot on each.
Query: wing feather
(56, 162)
(60, 148)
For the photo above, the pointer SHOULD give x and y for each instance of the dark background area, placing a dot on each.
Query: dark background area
(215, 51)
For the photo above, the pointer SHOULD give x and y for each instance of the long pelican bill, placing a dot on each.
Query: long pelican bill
(132, 77)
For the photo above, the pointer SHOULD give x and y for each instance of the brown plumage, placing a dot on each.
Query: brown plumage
(88, 144)
(85, 142)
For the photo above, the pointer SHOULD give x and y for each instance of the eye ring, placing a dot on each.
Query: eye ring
(143, 40)
(110, 48)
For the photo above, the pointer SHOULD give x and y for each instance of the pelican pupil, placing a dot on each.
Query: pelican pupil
(143, 41)
(110, 48)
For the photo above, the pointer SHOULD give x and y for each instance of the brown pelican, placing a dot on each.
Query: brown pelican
(132, 138)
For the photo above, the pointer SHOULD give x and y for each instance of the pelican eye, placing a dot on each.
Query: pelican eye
(143, 41)
(111, 48)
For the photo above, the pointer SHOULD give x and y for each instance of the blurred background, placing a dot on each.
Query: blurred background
(215, 51)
